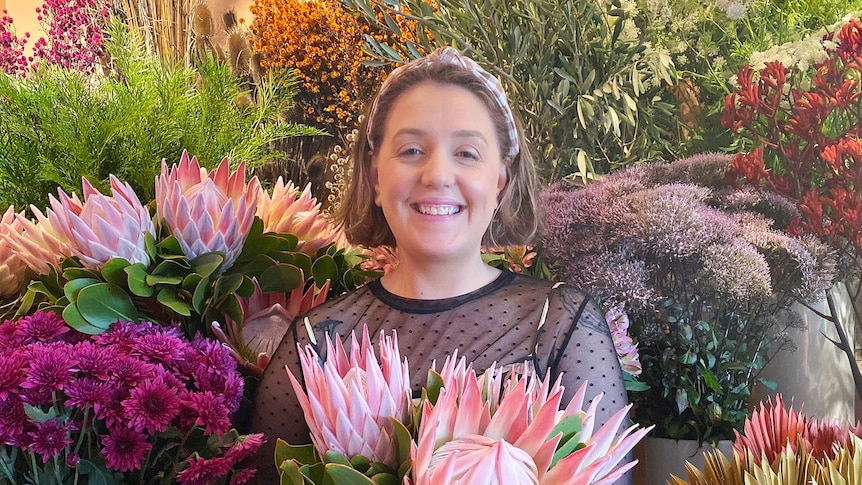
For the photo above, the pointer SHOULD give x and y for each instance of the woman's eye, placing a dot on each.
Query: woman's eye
(410, 152)
(468, 154)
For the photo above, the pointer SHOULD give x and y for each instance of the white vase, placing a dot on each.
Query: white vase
(662, 457)
(816, 374)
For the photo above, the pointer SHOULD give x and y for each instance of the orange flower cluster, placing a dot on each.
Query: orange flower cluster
(322, 43)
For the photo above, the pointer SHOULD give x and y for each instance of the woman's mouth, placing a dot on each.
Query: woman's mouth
(437, 209)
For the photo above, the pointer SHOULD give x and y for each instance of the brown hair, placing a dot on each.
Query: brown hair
(518, 219)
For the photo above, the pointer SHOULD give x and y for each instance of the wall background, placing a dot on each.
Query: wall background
(23, 13)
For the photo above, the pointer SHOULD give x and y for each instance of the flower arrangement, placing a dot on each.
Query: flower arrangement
(705, 274)
(492, 428)
(781, 445)
(319, 40)
(138, 403)
(212, 247)
(805, 130)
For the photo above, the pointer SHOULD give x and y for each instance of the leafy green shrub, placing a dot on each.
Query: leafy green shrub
(57, 125)
(586, 86)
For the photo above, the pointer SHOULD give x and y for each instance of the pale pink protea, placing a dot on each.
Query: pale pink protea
(12, 267)
(267, 317)
(40, 246)
(207, 212)
(290, 211)
(349, 402)
(475, 430)
(627, 351)
(103, 227)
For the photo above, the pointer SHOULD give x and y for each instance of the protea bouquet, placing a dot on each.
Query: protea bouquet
(780, 446)
(212, 247)
(495, 427)
(138, 403)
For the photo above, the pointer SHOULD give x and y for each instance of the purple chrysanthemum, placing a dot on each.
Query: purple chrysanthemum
(214, 358)
(152, 405)
(203, 472)
(87, 392)
(129, 371)
(120, 337)
(243, 476)
(158, 347)
(113, 412)
(244, 447)
(124, 449)
(12, 418)
(50, 437)
(211, 411)
(41, 327)
(51, 367)
(12, 370)
(94, 360)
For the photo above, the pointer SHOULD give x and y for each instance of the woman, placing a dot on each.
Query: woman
(440, 172)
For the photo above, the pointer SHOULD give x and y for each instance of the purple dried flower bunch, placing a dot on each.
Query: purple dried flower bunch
(131, 403)
(75, 30)
(701, 269)
(653, 230)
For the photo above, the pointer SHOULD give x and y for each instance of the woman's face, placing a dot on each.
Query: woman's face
(438, 172)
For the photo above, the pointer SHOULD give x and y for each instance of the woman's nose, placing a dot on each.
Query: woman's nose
(438, 170)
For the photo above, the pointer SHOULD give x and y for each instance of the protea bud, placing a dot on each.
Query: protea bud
(349, 402)
(40, 246)
(12, 267)
(103, 227)
(207, 212)
(290, 211)
(267, 318)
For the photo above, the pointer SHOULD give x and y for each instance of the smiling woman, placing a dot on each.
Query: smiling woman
(441, 172)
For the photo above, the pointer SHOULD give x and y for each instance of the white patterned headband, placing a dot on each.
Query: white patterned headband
(449, 55)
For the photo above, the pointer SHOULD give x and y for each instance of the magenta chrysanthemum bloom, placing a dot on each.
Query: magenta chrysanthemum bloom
(243, 476)
(203, 472)
(211, 411)
(50, 438)
(130, 372)
(121, 336)
(12, 370)
(41, 327)
(51, 368)
(152, 405)
(159, 347)
(87, 392)
(214, 357)
(244, 447)
(112, 410)
(73, 459)
(124, 449)
(94, 360)
(12, 418)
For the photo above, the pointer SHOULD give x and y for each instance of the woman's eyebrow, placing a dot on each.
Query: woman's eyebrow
(470, 134)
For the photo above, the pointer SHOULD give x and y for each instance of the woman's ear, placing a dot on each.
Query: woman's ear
(375, 179)
(504, 176)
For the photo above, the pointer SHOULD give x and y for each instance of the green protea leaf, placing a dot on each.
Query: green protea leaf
(75, 320)
(113, 271)
(342, 474)
(73, 287)
(102, 304)
(137, 280)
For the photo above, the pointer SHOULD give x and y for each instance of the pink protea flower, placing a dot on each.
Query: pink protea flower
(124, 449)
(290, 211)
(103, 227)
(207, 212)
(40, 246)
(349, 402)
(12, 267)
(504, 428)
(267, 317)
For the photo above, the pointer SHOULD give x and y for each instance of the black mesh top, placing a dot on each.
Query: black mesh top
(496, 323)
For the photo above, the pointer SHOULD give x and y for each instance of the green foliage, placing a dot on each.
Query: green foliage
(709, 42)
(57, 125)
(585, 84)
(301, 465)
(193, 292)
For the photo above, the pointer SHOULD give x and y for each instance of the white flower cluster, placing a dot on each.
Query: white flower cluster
(803, 53)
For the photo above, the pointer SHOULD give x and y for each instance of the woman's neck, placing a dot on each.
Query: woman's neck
(435, 281)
